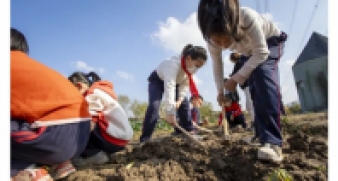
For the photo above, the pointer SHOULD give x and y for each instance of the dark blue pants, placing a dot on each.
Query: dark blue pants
(156, 90)
(265, 91)
(97, 143)
(55, 145)
(239, 120)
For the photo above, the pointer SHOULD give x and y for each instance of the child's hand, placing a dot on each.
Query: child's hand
(171, 119)
(232, 117)
(230, 85)
(178, 104)
(221, 99)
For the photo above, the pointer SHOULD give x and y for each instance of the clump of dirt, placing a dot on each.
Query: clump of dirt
(178, 158)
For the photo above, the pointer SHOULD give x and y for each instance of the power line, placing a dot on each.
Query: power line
(289, 34)
(308, 25)
(303, 38)
(267, 6)
(293, 16)
(305, 33)
(258, 6)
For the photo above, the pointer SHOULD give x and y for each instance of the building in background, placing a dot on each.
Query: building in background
(311, 74)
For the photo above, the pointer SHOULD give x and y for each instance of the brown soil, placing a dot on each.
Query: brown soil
(178, 158)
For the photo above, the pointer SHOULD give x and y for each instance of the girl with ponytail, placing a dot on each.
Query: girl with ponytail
(172, 79)
(111, 130)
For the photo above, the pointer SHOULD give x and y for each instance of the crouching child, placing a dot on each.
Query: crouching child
(111, 129)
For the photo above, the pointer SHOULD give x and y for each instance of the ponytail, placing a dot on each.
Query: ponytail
(88, 79)
(93, 77)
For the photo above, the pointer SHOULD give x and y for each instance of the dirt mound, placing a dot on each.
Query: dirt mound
(178, 158)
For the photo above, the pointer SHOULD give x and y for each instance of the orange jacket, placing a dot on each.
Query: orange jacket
(42, 96)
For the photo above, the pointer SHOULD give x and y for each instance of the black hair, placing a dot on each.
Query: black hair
(225, 79)
(195, 52)
(18, 41)
(88, 79)
(199, 96)
(220, 17)
(235, 56)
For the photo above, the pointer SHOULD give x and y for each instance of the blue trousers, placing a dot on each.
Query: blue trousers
(156, 90)
(55, 145)
(266, 97)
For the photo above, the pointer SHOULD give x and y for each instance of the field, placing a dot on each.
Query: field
(170, 158)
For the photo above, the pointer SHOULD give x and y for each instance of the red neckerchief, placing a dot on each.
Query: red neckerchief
(192, 85)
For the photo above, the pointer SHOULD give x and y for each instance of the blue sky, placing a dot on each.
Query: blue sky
(125, 40)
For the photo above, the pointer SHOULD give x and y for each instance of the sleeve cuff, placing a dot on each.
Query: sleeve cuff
(239, 78)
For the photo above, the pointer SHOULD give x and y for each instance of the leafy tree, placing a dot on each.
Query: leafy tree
(138, 108)
(294, 108)
(206, 109)
(124, 102)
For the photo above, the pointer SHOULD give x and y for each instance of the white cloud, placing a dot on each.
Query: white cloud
(125, 75)
(270, 17)
(173, 35)
(101, 70)
(197, 80)
(83, 66)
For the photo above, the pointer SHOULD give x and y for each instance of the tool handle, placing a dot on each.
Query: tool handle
(187, 133)
(201, 128)
(224, 122)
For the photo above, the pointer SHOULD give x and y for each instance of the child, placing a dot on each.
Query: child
(233, 94)
(239, 61)
(50, 123)
(226, 25)
(233, 113)
(112, 130)
(195, 112)
(173, 77)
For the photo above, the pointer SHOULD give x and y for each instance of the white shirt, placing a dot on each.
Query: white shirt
(253, 43)
(118, 123)
(171, 72)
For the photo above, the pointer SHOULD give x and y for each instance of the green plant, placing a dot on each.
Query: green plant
(161, 125)
(285, 122)
(280, 175)
(294, 108)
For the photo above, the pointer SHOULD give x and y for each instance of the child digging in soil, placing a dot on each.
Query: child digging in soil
(239, 61)
(195, 112)
(173, 78)
(233, 112)
(111, 128)
(50, 123)
(226, 25)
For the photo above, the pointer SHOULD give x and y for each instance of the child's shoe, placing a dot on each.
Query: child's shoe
(32, 174)
(251, 141)
(270, 152)
(62, 170)
(97, 159)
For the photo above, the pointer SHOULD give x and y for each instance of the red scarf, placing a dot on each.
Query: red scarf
(193, 88)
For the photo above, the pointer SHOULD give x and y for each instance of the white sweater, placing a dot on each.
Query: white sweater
(119, 126)
(254, 44)
(171, 72)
